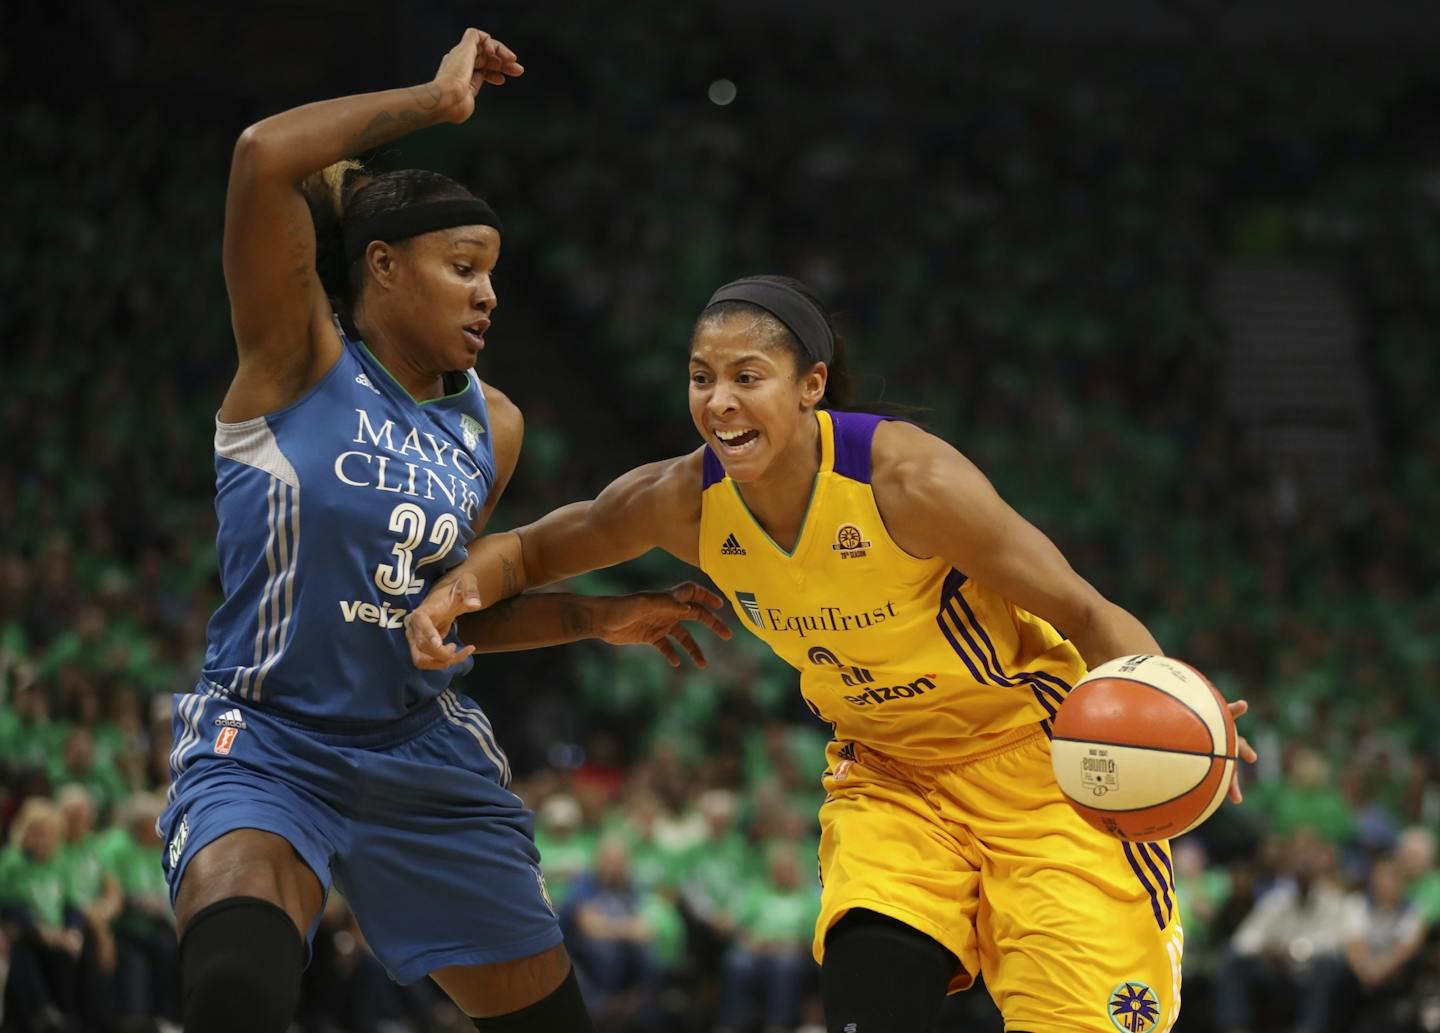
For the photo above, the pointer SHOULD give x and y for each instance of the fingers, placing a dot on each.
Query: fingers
(465, 593)
(687, 643)
(1246, 751)
(1239, 708)
(449, 656)
(428, 649)
(710, 620)
(1235, 795)
(666, 650)
(690, 592)
(496, 60)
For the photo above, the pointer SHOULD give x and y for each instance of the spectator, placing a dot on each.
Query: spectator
(77, 764)
(149, 956)
(769, 966)
(1288, 947)
(43, 991)
(610, 941)
(1382, 936)
(90, 890)
(566, 850)
(1415, 853)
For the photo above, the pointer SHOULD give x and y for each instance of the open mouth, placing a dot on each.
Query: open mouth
(476, 334)
(737, 440)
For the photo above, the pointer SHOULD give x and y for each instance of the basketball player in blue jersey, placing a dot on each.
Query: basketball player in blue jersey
(355, 460)
(922, 613)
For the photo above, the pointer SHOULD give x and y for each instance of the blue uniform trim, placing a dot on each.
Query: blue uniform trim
(854, 433)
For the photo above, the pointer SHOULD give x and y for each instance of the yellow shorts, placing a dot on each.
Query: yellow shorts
(1072, 930)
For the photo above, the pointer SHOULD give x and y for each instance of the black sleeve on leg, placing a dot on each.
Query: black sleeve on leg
(563, 1011)
(882, 976)
(240, 965)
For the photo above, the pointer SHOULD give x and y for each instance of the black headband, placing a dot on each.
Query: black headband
(799, 314)
(414, 220)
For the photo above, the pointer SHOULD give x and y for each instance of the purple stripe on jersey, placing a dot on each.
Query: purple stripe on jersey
(1145, 881)
(1159, 878)
(713, 472)
(853, 434)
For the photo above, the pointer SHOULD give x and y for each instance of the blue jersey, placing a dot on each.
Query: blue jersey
(337, 513)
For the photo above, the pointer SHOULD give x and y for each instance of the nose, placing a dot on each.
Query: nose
(484, 297)
(722, 399)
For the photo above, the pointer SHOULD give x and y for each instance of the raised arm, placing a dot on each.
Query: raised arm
(278, 308)
(653, 506)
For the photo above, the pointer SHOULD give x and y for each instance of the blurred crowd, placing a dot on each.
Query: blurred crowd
(1015, 239)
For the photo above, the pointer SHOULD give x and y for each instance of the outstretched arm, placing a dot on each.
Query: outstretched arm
(278, 308)
(654, 506)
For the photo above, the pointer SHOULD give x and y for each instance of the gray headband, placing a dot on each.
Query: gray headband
(799, 314)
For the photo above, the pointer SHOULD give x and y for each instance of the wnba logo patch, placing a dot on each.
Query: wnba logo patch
(226, 739)
(1134, 1008)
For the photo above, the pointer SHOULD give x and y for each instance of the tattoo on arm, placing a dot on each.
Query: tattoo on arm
(389, 125)
(576, 619)
(509, 579)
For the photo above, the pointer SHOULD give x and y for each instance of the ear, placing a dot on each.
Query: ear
(380, 262)
(812, 385)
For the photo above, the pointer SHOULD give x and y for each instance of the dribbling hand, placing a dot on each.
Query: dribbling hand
(654, 618)
(1242, 748)
(477, 59)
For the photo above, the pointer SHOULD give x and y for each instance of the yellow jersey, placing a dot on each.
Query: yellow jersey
(905, 655)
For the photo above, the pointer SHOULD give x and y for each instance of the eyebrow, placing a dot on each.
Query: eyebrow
(472, 240)
(741, 361)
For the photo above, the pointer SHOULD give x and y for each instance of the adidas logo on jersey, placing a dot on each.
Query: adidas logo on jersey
(231, 719)
(364, 381)
(731, 547)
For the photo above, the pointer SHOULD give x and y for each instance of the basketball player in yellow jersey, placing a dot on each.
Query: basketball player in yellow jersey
(922, 613)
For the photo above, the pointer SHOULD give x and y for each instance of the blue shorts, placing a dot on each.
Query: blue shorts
(436, 858)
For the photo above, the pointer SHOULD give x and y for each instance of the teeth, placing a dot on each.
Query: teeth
(730, 435)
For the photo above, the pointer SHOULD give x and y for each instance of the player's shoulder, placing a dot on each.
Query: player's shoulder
(914, 470)
(500, 407)
(901, 449)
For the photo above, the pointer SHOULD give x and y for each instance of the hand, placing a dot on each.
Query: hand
(477, 59)
(654, 618)
(427, 625)
(1243, 748)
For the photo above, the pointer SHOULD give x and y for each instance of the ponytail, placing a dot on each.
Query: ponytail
(327, 192)
(345, 192)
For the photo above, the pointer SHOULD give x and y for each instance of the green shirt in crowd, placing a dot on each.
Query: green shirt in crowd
(782, 917)
(83, 870)
(38, 886)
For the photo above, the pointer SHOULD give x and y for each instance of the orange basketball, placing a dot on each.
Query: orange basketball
(1144, 748)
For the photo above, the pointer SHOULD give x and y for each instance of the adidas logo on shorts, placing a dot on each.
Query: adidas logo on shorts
(731, 547)
(231, 719)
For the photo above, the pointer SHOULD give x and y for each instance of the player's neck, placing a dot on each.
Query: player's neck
(420, 384)
(780, 498)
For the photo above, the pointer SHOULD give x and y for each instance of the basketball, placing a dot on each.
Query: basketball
(1144, 748)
